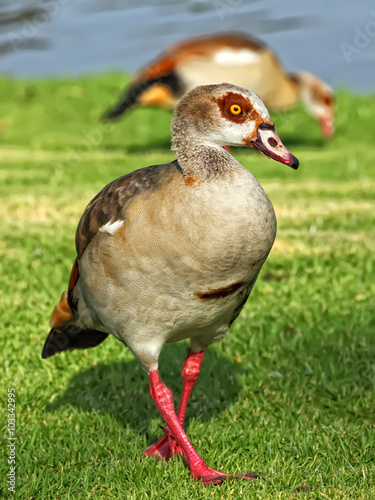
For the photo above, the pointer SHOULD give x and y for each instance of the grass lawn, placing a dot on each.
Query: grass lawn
(289, 393)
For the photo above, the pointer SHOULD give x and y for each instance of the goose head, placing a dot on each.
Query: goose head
(227, 115)
(317, 98)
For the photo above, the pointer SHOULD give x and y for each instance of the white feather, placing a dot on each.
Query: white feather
(111, 227)
(231, 57)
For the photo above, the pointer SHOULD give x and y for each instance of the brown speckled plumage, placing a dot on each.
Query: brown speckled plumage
(110, 203)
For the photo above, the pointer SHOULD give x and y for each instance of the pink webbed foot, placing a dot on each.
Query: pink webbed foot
(211, 476)
(165, 447)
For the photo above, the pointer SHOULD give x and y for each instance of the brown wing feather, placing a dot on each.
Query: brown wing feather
(74, 275)
(63, 311)
(110, 204)
(64, 336)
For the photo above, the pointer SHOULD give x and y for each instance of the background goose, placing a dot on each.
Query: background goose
(172, 251)
(238, 58)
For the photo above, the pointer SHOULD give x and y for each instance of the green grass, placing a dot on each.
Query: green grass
(288, 394)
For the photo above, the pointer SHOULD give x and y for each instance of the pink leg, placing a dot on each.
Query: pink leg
(167, 446)
(163, 399)
(190, 372)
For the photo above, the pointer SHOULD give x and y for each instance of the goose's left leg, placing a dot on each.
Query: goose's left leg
(163, 399)
(166, 446)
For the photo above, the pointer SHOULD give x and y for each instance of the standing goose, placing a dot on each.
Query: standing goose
(172, 251)
(239, 58)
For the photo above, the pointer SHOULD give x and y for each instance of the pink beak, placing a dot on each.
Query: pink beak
(269, 143)
(326, 125)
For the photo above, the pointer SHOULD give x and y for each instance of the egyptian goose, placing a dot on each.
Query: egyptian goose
(239, 58)
(172, 252)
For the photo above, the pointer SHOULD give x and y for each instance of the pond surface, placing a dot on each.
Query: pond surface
(334, 39)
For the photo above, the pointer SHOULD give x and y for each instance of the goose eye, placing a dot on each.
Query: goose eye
(235, 109)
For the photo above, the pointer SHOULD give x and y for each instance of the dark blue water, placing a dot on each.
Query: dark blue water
(331, 38)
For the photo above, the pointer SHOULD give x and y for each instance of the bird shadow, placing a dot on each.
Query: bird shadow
(120, 389)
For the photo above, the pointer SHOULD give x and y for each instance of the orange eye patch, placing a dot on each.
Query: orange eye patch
(235, 109)
(327, 100)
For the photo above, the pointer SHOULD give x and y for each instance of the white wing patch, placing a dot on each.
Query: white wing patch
(231, 57)
(111, 227)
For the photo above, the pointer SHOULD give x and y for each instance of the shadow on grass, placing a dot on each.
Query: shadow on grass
(120, 389)
(327, 376)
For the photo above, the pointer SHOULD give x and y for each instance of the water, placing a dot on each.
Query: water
(333, 39)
